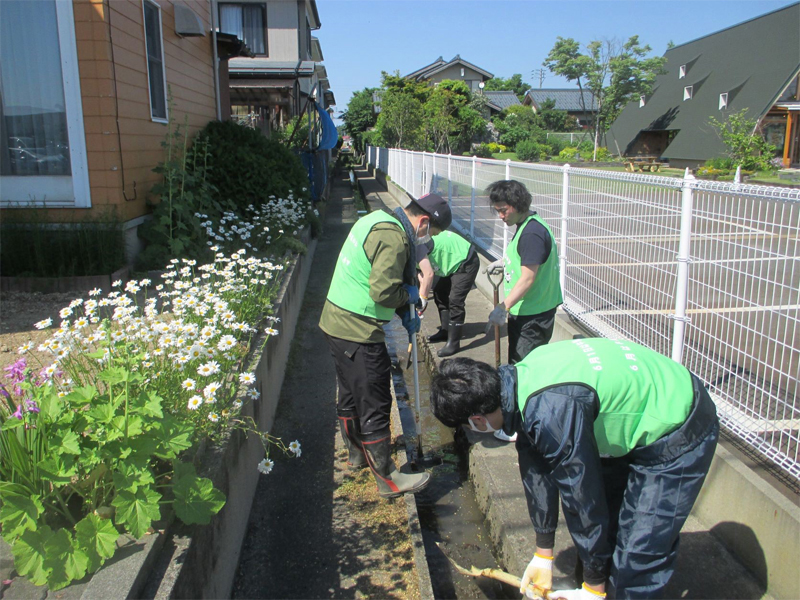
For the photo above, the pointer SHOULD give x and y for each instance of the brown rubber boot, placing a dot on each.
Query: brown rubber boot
(350, 428)
(391, 482)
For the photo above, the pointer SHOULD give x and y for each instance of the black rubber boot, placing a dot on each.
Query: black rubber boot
(350, 428)
(441, 335)
(391, 482)
(453, 340)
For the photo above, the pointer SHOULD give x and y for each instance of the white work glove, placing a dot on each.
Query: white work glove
(496, 317)
(582, 593)
(423, 304)
(493, 268)
(539, 572)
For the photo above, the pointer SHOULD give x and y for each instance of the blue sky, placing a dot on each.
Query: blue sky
(360, 38)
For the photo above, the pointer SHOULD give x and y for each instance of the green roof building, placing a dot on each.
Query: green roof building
(753, 65)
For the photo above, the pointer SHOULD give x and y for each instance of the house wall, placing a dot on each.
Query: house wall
(121, 137)
(282, 24)
(454, 72)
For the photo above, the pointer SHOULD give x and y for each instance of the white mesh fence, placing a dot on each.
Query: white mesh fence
(705, 272)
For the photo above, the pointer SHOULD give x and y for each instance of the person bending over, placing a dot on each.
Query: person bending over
(621, 434)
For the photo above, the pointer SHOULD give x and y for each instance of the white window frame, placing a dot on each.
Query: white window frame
(154, 118)
(723, 100)
(682, 72)
(687, 93)
(642, 101)
(59, 191)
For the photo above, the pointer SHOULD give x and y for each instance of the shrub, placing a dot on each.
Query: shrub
(557, 144)
(482, 151)
(246, 167)
(530, 149)
(720, 162)
(603, 154)
(709, 171)
(496, 148)
(568, 153)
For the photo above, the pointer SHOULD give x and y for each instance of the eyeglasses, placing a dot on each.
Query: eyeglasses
(501, 210)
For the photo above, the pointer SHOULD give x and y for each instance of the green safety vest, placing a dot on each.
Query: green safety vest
(545, 293)
(449, 251)
(350, 284)
(642, 394)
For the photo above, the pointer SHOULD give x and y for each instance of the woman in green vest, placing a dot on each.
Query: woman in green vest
(532, 288)
(622, 435)
(456, 262)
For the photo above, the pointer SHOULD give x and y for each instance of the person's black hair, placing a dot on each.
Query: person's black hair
(511, 192)
(464, 387)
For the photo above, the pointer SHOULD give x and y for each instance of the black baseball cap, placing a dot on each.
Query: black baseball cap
(437, 208)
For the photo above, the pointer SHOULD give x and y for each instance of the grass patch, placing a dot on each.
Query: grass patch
(505, 156)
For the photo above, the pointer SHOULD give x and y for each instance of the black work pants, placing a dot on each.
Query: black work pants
(527, 332)
(450, 293)
(364, 377)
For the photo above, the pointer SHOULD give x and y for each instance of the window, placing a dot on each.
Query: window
(462, 72)
(687, 92)
(723, 100)
(682, 72)
(641, 101)
(42, 141)
(156, 74)
(247, 22)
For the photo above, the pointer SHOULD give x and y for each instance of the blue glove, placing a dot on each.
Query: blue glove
(413, 293)
(411, 322)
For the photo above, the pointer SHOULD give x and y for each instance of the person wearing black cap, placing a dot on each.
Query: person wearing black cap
(375, 278)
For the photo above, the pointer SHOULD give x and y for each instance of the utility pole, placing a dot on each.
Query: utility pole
(540, 73)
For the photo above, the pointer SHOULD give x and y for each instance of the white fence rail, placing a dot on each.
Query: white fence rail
(706, 272)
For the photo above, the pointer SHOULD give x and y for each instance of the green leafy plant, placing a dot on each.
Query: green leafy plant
(569, 153)
(102, 440)
(531, 150)
(746, 146)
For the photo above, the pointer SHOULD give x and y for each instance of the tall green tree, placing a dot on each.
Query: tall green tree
(400, 120)
(360, 116)
(518, 123)
(450, 120)
(512, 84)
(615, 73)
(553, 119)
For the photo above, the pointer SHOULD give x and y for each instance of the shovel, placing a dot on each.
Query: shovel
(496, 287)
(412, 357)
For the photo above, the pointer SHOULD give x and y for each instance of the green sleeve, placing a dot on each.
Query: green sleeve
(387, 249)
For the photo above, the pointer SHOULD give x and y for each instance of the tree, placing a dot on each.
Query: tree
(450, 120)
(400, 121)
(614, 73)
(746, 146)
(552, 119)
(360, 116)
(512, 84)
(518, 123)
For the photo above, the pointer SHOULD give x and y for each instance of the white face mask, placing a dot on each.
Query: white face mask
(423, 239)
(489, 428)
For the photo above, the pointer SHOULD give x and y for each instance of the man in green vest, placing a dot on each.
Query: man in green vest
(621, 434)
(456, 263)
(375, 277)
(532, 287)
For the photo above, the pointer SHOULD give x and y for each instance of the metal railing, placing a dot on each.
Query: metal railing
(703, 271)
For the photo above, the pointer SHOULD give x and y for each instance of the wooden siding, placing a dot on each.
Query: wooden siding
(120, 133)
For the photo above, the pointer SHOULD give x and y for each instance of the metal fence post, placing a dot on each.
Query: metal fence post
(472, 202)
(449, 179)
(682, 288)
(562, 252)
(505, 225)
(408, 169)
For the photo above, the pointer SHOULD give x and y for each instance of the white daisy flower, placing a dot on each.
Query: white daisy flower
(188, 384)
(265, 466)
(195, 402)
(247, 378)
(294, 447)
(213, 417)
